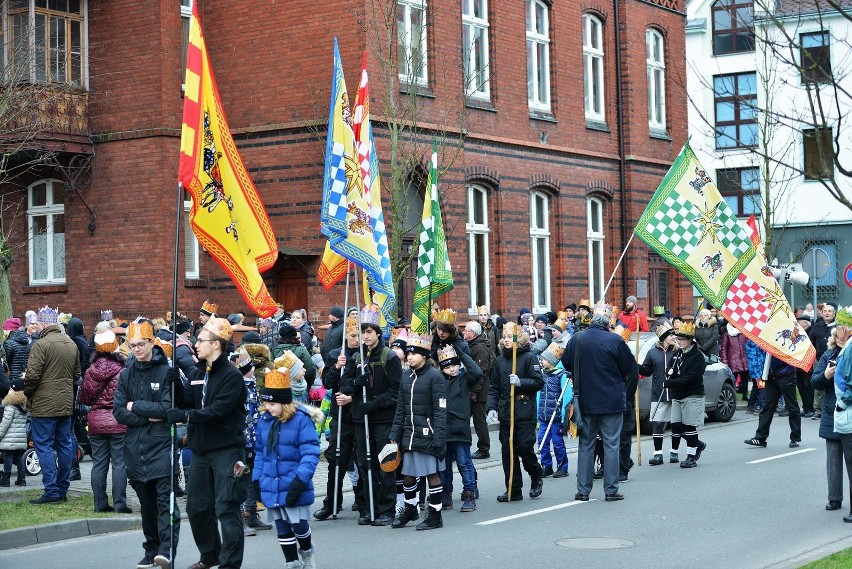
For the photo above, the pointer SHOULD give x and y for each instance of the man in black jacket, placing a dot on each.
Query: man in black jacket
(483, 353)
(214, 409)
(527, 380)
(334, 335)
(374, 388)
(142, 399)
(819, 334)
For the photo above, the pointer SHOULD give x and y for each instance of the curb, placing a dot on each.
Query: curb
(46, 533)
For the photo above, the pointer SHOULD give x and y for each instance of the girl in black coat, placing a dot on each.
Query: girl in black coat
(685, 378)
(420, 428)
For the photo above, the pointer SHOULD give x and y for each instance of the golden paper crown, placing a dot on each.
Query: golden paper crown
(447, 353)
(556, 350)
(209, 308)
(686, 330)
(561, 323)
(420, 342)
(243, 358)
(445, 316)
(398, 333)
(510, 328)
(352, 325)
(286, 360)
(585, 302)
(165, 346)
(276, 379)
(139, 330)
(482, 309)
(562, 315)
(219, 327)
(664, 330)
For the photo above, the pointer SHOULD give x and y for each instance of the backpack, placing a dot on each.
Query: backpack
(383, 359)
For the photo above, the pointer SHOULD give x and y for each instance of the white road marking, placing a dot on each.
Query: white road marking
(533, 512)
(780, 455)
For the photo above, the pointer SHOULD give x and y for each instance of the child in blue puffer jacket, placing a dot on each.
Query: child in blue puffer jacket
(286, 456)
(555, 379)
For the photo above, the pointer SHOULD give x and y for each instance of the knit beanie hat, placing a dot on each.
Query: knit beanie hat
(336, 311)
(552, 354)
(287, 332)
(11, 324)
(632, 299)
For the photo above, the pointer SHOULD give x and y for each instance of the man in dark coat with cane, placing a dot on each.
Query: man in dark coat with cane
(527, 381)
(374, 388)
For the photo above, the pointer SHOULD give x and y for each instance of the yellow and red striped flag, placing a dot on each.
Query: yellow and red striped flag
(227, 215)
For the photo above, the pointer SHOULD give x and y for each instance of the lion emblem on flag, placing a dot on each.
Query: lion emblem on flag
(701, 180)
(360, 223)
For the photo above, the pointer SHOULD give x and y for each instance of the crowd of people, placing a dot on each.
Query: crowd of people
(166, 400)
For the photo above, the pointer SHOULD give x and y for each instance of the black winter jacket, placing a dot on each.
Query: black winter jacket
(420, 421)
(829, 400)
(483, 353)
(331, 381)
(655, 365)
(17, 347)
(685, 375)
(147, 443)
(333, 339)
(819, 335)
(383, 387)
(458, 400)
(218, 423)
(529, 372)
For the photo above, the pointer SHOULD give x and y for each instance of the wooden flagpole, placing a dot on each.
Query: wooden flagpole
(512, 412)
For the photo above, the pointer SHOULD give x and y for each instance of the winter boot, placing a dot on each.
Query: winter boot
(22, 479)
(75, 470)
(4, 479)
(468, 501)
(253, 521)
(307, 556)
(447, 500)
(409, 514)
(247, 530)
(433, 520)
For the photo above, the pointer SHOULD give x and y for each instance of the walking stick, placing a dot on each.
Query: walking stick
(553, 416)
(512, 412)
(339, 410)
(364, 400)
(636, 402)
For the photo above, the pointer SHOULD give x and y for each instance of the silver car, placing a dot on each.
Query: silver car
(720, 396)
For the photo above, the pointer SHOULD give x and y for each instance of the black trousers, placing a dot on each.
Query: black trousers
(348, 437)
(480, 425)
(524, 443)
(154, 502)
(384, 483)
(806, 390)
(213, 499)
(625, 441)
(773, 390)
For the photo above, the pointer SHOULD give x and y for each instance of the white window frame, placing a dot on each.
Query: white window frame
(535, 39)
(48, 210)
(593, 76)
(656, 68)
(540, 267)
(595, 246)
(31, 44)
(190, 247)
(472, 67)
(421, 78)
(474, 230)
(185, 17)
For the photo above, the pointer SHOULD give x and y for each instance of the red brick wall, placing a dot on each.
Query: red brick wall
(273, 66)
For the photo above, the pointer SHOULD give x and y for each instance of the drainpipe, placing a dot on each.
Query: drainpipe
(622, 162)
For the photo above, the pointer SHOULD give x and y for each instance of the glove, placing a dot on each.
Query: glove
(368, 407)
(176, 416)
(514, 380)
(491, 418)
(295, 491)
(172, 376)
(362, 380)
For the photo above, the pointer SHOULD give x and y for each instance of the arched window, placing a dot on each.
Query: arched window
(540, 246)
(538, 55)
(479, 275)
(595, 237)
(655, 61)
(46, 232)
(593, 68)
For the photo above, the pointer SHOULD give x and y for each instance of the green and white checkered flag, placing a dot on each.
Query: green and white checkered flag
(433, 261)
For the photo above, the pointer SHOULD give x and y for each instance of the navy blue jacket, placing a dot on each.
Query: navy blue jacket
(829, 400)
(604, 364)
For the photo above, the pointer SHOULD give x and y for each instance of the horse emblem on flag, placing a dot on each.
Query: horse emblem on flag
(713, 262)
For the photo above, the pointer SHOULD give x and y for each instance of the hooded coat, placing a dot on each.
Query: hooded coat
(53, 367)
(98, 391)
(458, 399)
(732, 349)
(499, 389)
(420, 421)
(13, 425)
(17, 347)
(76, 332)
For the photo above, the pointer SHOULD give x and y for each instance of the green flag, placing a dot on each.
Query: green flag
(434, 274)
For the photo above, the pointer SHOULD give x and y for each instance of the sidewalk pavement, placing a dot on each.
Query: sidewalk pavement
(22, 537)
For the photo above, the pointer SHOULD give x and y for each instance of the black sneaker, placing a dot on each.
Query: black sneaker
(323, 513)
(548, 471)
(794, 444)
(364, 520)
(689, 462)
(656, 460)
(560, 473)
(383, 520)
(614, 497)
(598, 474)
(623, 477)
(536, 487)
(480, 454)
(146, 563)
(674, 458)
(409, 514)
(755, 442)
(516, 496)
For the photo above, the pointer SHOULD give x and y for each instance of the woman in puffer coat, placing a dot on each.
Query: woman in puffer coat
(733, 354)
(13, 434)
(106, 435)
(420, 429)
(286, 457)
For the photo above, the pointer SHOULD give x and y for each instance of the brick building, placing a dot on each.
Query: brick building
(540, 195)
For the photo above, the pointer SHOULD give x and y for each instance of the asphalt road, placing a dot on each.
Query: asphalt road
(743, 507)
